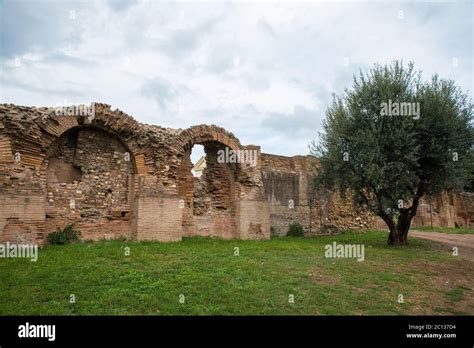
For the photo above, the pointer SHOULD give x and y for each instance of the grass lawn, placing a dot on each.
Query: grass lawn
(259, 281)
(445, 230)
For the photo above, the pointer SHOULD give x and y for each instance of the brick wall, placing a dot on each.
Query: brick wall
(254, 219)
(158, 218)
(21, 217)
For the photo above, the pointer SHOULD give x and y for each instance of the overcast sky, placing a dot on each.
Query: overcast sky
(264, 70)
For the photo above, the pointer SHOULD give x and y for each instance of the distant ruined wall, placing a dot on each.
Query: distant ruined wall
(287, 188)
(450, 209)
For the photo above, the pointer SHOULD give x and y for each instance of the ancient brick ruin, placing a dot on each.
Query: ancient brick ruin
(287, 181)
(114, 177)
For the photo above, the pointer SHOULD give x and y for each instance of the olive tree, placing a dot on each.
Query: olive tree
(392, 139)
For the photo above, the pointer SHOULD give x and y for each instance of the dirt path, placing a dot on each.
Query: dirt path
(464, 242)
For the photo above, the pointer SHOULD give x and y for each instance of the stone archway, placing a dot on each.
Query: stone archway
(89, 178)
(210, 201)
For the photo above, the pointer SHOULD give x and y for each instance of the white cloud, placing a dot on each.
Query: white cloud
(264, 71)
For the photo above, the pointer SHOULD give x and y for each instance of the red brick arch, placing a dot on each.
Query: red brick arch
(187, 138)
(115, 122)
(112, 124)
(218, 219)
(109, 133)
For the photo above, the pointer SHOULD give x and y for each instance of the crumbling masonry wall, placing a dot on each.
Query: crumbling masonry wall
(210, 200)
(89, 181)
(287, 187)
(114, 177)
(289, 191)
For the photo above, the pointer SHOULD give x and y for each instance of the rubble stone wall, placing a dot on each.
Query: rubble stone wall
(89, 177)
(289, 192)
(287, 188)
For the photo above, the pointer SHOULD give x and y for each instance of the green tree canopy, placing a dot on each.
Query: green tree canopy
(392, 138)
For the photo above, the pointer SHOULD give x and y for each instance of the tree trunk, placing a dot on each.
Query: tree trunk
(399, 234)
